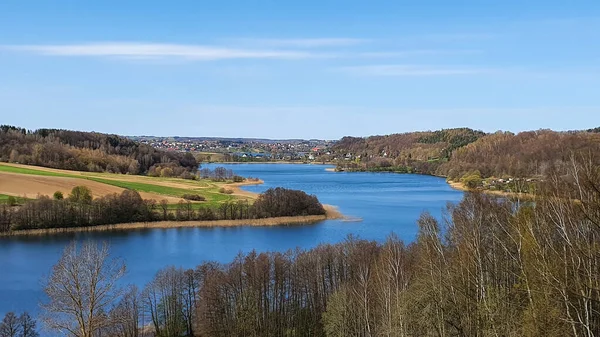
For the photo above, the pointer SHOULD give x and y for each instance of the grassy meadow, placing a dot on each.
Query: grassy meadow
(156, 186)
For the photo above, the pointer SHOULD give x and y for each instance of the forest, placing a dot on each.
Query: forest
(412, 146)
(454, 153)
(79, 209)
(90, 151)
(491, 267)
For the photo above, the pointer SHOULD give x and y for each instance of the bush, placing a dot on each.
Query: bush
(58, 195)
(81, 194)
(238, 179)
(11, 201)
(472, 179)
(225, 190)
(193, 197)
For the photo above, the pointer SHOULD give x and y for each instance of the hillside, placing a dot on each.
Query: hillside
(456, 152)
(90, 151)
(419, 146)
(526, 154)
(419, 152)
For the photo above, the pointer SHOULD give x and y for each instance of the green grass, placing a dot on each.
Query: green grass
(20, 170)
(209, 190)
(4, 199)
(142, 187)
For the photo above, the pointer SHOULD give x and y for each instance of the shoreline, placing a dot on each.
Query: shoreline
(268, 162)
(331, 214)
(237, 188)
(456, 185)
(461, 187)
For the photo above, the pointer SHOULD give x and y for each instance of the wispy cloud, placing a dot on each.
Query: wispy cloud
(418, 52)
(449, 37)
(412, 70)
(155, 50)
(301, 43)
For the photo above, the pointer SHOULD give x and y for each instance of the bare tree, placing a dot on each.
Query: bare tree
(28, 326)
(80, 289)
(125, 316)
(10, 327)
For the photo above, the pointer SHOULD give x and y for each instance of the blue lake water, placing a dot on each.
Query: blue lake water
(385, 202)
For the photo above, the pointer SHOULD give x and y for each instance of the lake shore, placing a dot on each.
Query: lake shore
(461, 187)
(269, 162)
(237, 188)
(332, 213)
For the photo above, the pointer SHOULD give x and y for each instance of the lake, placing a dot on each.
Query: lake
(384, 202)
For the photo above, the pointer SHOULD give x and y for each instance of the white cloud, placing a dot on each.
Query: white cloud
(276, 49)
(418, 52)
(156, 50)
(302, 43)
(412, 70)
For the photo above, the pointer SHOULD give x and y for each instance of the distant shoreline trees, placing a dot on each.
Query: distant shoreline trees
(79, 209)
(91, 151)
(454, 153)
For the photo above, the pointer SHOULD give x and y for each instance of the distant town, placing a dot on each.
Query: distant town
(245, 149)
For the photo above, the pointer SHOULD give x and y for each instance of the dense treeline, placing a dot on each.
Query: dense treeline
(90, 151)
(81, 210)
(457, 153)
(412, 146)
(279, 201)
(526, 154)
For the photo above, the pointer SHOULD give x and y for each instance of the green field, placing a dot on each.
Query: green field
(20, 170)
(4, 199)
(208, 189)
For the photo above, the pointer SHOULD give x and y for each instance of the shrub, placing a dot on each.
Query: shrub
(472, 179)
(58, 195)
(193, 197)
(81, 194)
(11, 201)
(238, 179)
(225, 190)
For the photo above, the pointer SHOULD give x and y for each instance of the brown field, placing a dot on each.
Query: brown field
(167, 182)
(30, 186)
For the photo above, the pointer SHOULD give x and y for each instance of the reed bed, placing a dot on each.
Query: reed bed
(332, 213)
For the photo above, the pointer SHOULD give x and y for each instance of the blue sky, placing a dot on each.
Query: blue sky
(301, 69)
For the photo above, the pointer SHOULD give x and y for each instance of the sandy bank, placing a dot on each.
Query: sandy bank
(237, 188)
(461, 187)
(332, 213)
